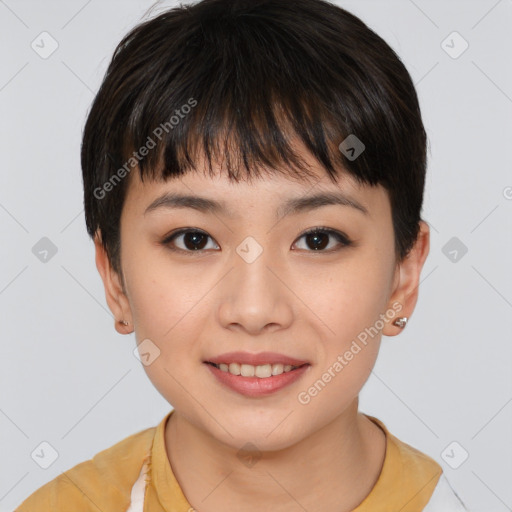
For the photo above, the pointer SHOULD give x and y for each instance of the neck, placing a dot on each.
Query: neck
(332, 470)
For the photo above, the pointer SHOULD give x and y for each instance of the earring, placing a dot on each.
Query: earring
(401, 322)
(124, 322)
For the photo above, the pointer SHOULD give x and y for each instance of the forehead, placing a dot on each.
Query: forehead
(274, 197)
(280, 189)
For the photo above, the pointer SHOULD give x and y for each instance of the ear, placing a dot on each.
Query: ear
(114, 293)
(406, 280)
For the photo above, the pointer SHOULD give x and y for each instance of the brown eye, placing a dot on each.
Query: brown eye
(191, 240)
(317, 239)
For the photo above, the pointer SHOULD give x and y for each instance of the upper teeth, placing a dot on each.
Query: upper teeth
(262, 371)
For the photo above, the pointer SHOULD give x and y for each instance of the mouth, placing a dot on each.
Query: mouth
(268, 374)
(261, 371)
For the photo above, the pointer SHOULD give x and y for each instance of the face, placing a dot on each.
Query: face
(247, 277)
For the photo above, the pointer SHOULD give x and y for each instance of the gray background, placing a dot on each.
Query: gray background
(68, 379)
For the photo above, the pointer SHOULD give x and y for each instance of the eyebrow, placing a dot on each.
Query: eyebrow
(171, 200)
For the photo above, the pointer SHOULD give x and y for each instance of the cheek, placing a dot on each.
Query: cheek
(168, 304)
(349, 305)
(347, 297)
(163, 296)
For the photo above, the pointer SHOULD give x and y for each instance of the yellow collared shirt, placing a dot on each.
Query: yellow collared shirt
(135, 475)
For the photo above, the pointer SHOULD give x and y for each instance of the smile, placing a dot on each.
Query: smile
(261, 371)
(256, 381)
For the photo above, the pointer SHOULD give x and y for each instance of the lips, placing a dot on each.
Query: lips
(259, 359)
(257, 386)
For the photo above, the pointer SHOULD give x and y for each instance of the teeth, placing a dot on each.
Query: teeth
(277, 369)
(261, 371)
(234, 368)
(247, 370)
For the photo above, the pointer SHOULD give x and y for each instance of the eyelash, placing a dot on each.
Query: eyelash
(340, 237)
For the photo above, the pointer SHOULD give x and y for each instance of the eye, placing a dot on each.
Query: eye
(318, 239)
(192, 240)
(195, 240)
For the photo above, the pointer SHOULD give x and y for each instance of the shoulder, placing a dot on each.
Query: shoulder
(443, 497)
(414, 461)
(420, 477)
(406, 461)
(101, 483)
(408, 476)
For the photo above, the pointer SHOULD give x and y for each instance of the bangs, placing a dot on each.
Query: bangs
(245, 143)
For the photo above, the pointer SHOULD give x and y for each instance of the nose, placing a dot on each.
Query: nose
(254, 296)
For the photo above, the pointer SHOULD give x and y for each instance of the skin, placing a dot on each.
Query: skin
(323, 455)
